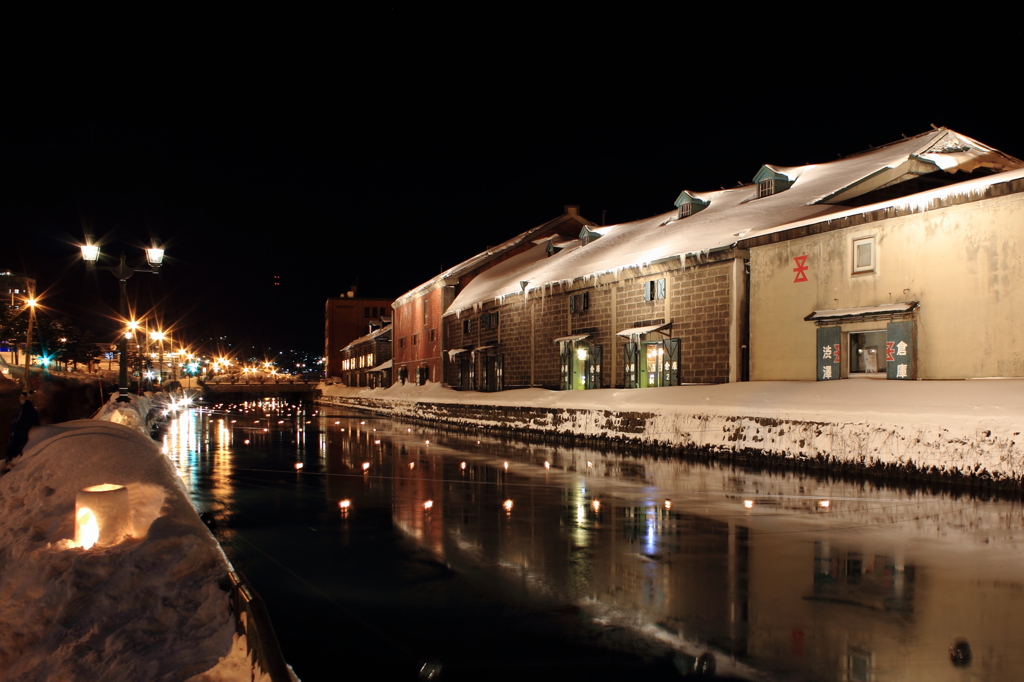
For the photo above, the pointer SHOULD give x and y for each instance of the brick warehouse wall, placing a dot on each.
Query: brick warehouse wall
(697, 302)
(701, 315)
(413, 346)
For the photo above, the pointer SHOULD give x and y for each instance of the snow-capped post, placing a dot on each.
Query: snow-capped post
(103, 515)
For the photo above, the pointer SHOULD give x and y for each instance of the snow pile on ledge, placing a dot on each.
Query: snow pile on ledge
(955, 427)
(148, 608)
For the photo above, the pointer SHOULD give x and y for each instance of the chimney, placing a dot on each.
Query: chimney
(572, 210)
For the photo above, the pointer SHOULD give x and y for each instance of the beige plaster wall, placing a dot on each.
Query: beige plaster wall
(965, 264)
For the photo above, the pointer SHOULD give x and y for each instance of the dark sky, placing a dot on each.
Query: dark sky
(379, 149)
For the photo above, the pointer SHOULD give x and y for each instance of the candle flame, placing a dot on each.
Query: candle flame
(88, 530)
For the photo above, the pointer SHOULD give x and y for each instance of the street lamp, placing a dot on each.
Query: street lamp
(155, 257)
(31, 303)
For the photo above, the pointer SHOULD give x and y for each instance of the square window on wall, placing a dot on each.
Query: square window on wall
(864, 255)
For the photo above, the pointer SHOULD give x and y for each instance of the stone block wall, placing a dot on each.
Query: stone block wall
(697, 303)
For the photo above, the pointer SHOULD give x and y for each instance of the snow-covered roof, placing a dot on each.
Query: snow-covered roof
(913, 203)
(731, 214)
(865, 311)
(637, 331)
(371, 336)
(388, 364)
(482, 258)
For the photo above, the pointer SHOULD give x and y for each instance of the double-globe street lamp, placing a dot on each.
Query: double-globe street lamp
(155, 257)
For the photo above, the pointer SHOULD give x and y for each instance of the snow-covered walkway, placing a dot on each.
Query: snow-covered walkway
(952, 427)
(152, 606)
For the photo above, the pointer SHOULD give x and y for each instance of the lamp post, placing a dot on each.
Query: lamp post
(31, 303)
(155, 257)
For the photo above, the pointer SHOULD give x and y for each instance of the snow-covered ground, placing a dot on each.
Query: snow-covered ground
(149, 607)
(966, 427)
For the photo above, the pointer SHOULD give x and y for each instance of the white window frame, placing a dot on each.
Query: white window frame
(872, 265)
(685, 210)
(766, 188)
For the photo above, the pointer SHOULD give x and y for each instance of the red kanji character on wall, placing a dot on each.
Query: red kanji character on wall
(800, 269)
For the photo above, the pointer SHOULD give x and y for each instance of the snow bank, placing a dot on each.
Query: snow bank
(945, 427)
(148, 608)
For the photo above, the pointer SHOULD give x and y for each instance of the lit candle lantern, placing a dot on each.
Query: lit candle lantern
(103, 515)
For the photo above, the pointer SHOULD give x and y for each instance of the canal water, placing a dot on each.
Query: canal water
(381, 546)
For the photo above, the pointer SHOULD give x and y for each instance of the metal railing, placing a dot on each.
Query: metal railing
(260, 641)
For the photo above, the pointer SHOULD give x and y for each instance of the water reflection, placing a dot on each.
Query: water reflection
(805, 578)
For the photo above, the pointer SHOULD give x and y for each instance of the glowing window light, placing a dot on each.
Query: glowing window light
(824, 504)
(749, 504)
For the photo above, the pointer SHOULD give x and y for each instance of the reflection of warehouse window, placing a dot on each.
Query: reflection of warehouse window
(864, 255)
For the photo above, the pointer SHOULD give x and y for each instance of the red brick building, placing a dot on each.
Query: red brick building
(418, 340)
(346, 318)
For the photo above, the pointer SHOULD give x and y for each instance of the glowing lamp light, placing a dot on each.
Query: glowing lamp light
(103, 515)
(581, 353)
(507, 505)
(298, 466)
(246, 441)
(428, 505)
(366, 466)
(668, 504)
(506, 466)
(824, 504)
(344, 505)
(547, 464)
(376, 442)
(596, 504)
(749, 504)
(462, 466)
(90, 253)
(412, 465)
(154, 255)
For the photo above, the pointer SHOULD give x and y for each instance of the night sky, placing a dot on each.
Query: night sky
(379, 149)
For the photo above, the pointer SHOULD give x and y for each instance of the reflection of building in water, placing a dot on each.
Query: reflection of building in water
(417, 505)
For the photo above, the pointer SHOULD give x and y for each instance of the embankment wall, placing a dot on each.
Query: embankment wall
(898, 451)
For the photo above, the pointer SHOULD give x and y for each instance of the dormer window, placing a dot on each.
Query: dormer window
(771, 181)
(688, 204)
(587, 236)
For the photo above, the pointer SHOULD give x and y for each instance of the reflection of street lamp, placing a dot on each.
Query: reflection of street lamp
(160, 336)
(31, 303)
(155, 257)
